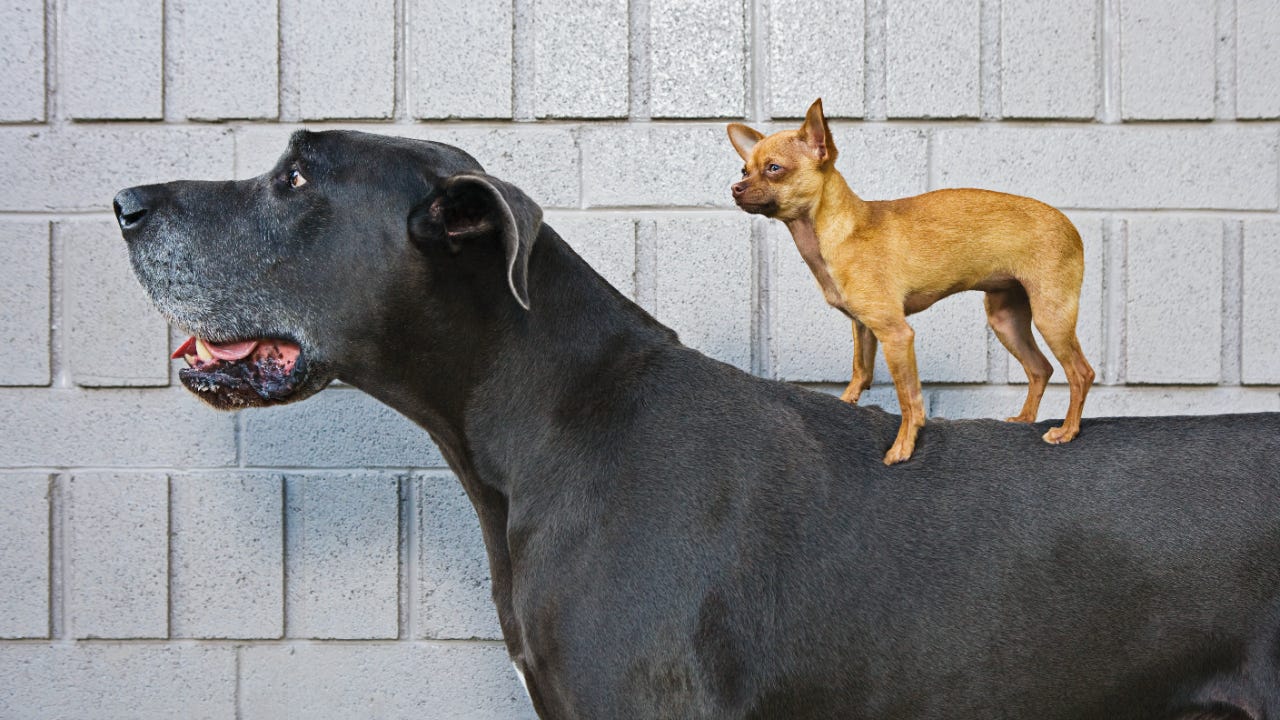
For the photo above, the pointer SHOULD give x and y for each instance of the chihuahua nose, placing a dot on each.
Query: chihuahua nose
(739, 188)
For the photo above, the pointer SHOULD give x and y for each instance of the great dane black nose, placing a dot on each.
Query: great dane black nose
(131, 206)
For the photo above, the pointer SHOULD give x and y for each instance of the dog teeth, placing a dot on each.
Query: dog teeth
(202, 351)
(191, 359)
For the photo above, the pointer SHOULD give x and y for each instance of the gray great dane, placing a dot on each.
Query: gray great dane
(669, 537)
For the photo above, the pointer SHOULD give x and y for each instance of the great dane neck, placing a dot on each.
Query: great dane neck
(503, 402)
(542, 370)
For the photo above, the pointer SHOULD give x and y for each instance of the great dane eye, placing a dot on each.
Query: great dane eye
(296, 180)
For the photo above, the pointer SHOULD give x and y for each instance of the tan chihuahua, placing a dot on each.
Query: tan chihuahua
(879, 261)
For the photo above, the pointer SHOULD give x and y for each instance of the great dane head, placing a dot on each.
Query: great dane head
(285, 280)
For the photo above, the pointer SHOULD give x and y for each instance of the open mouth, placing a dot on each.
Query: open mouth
(241, 373)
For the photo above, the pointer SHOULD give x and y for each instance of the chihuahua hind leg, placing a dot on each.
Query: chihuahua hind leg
(1009, 314)
(864, 362)
(1057, 325)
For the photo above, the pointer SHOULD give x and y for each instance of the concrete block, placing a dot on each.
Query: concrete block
(143, 681)
(932, 54)
(606, 242)
(702, 283)
(1156, 400)
(1089, 320)
(342, 69)
(258, 147)
(82, 168)
(1153, 400)
(223, 60)
(342, 557)
(1211, 166)
(227, 556)
(1257, 59)
(881, 396)
(24, 556)
(460, 57)
(542, 161)
(1260, 344)
(340, 427)
(1166, 59)
(22, 73)
(119, 555)
(882, 163)
(105, 307)
(804, 65)
(992, 401)
(698, 58)
(580, 58)
(469, 681)
(809, 340)
(1049, 59)
(680, 165)
(884, 397)
(111, 59)
(951, 341)
(453, 593)
(25, 295)
(1104, 401)
(1173, 319)
(160, 427)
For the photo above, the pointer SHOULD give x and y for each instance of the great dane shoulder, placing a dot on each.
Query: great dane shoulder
(669, 537)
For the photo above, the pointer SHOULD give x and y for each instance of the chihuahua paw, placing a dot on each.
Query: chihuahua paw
(897, 454)
(1020, 419)
(1059, 435)
(851, 396)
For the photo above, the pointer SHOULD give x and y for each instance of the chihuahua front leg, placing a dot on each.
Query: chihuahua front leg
(864, 362)
(898, 340)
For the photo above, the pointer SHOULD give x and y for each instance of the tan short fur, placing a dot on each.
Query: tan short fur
(880, 261)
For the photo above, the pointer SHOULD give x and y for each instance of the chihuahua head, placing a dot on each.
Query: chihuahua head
(784, 173)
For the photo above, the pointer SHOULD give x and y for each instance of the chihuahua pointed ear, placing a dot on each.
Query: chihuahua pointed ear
(471, 208)
(816, 134)
(743, 139)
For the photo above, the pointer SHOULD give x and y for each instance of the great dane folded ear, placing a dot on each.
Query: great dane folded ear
(470, 207)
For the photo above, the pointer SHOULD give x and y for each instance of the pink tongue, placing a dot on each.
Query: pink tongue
(227, 351)
(231, 351)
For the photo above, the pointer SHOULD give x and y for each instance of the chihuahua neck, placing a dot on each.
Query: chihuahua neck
(838, 209)
(833, 218)
(810, 247)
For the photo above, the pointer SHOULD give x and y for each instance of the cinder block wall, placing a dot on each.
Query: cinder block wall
(160, 560)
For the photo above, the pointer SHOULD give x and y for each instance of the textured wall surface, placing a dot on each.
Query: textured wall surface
(160, 560)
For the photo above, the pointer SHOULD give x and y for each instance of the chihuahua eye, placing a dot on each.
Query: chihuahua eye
(744, 172)
(296, 180)
(774, 168)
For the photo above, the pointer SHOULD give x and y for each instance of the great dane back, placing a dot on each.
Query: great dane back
(669, 537)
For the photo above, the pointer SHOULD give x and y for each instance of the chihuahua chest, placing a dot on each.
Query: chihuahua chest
(806, 240)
